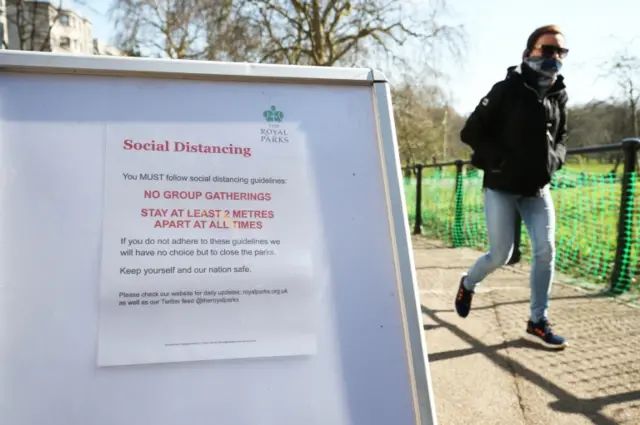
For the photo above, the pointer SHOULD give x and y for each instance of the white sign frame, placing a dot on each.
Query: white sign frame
(416, 347)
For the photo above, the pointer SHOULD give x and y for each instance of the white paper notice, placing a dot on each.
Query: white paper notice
(206, 251)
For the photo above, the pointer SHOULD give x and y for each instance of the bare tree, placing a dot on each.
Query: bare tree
(184, 29)
(31, 22)
(307, 32)
(624, 67)
(342, 32)
(423, 119)
(170, 28)
(231, 34)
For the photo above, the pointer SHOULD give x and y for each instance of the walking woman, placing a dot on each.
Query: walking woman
(517, 133)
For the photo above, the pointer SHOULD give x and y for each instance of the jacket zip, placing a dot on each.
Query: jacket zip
(541, 99)
(544, 96)
(535, 92)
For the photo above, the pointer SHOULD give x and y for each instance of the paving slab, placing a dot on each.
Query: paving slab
(484, 372)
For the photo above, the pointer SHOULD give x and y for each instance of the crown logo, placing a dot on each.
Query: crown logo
(273, 115)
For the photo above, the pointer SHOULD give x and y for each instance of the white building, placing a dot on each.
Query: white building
(41, 26)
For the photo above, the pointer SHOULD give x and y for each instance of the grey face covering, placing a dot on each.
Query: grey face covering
(547, 69)
(545, 66)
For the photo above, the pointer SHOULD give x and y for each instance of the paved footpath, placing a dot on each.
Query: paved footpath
(484, 373)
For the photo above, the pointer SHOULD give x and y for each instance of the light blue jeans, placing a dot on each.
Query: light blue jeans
(539, 217)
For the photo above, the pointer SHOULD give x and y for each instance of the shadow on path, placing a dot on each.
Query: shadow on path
(566, 401)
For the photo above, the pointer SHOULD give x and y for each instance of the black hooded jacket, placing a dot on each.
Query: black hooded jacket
(518, 134)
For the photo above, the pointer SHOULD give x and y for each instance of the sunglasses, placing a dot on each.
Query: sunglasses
(548, 50)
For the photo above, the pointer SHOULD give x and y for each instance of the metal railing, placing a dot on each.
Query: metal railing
(621, 269)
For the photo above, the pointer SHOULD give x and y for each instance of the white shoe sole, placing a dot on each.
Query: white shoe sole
(539, 341)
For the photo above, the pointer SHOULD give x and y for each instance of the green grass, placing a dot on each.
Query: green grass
(593, 167)
(587, 211)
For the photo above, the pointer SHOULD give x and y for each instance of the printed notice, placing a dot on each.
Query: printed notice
(206, 251)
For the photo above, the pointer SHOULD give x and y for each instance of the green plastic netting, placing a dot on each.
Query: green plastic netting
(587, 208)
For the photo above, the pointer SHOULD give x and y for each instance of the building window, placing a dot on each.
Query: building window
(65, 42)
(64, 19)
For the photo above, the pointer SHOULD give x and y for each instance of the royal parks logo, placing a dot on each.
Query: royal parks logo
(275, 131)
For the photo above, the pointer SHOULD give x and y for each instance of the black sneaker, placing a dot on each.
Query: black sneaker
(541, 333)
(463, 299)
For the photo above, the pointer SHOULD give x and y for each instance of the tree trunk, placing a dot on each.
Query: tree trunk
(319, 51)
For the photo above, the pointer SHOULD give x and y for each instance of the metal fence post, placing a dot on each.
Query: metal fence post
(458, 217)
(417, 226)
(621, 276)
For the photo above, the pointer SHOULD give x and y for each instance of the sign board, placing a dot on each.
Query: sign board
(196, 242)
